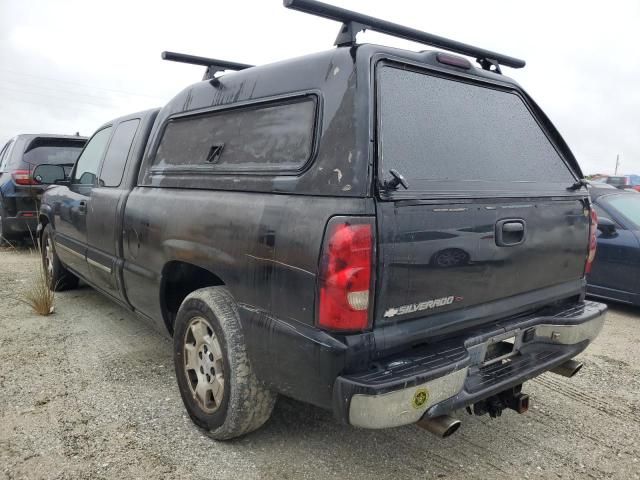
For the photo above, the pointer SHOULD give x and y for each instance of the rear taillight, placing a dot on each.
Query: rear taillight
(593, 242)
(23, 177)
(345, 281)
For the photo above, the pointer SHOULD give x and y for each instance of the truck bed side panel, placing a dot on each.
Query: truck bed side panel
(264, 248)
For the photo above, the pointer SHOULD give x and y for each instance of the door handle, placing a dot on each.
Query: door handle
(513, 227)
(82, 206)
(510, 232)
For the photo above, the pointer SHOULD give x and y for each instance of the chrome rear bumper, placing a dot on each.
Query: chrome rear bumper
(437, 381)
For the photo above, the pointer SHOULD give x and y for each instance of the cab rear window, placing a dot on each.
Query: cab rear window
(437, 132)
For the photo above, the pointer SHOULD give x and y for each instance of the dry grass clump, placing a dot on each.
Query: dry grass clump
(38, 296)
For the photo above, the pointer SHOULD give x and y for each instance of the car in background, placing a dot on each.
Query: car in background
(599, 185)
(631, 182)
(19, 190)
(619, 181)
(615, 272)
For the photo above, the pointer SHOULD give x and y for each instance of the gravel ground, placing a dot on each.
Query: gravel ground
(89, 392)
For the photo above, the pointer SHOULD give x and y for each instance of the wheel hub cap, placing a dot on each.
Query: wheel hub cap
(203, 364)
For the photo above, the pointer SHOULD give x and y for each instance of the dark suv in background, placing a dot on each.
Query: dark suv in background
(19, 190)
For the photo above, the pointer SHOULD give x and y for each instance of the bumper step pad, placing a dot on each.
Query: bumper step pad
(514, 367)
(421, 365)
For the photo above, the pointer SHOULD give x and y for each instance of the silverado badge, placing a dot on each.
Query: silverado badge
(426, 305)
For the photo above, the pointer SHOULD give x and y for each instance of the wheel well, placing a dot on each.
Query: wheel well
(179, 279)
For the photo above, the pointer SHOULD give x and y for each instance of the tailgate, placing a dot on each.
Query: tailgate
(439, 258)
(486, 214)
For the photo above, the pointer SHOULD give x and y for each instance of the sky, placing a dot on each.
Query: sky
(69, 66)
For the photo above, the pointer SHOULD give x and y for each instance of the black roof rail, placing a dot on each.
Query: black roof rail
(213, 65)
(354, 22)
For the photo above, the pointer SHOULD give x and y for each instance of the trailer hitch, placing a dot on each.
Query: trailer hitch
(512, 398)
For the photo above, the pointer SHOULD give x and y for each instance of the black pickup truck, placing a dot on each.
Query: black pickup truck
(388, 234)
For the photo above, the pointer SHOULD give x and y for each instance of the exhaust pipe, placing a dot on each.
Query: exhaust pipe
(567, 369)
(442, 426)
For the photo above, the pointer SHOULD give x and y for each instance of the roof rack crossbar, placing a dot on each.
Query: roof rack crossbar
(213, 65)
(354, 22)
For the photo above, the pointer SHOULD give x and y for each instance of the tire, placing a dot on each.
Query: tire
(218, 386)
(58, 277)
(6, 240)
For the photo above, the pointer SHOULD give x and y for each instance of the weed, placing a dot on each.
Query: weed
(38, 295)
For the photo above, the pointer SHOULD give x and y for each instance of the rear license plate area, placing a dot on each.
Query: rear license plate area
(498, 350)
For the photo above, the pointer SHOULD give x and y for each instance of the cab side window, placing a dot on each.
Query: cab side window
(86, 170)
(115, 160)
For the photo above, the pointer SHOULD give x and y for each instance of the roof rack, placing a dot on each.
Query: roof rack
(354, 22)
(213, 65)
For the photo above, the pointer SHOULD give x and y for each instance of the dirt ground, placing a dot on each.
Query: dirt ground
(89, 392)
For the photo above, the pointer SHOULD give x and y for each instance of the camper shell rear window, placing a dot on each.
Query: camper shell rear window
(458, 136)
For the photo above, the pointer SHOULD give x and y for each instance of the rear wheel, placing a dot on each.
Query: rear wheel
(3, 241)
(218, 386)
(6, 239)
(58, 277)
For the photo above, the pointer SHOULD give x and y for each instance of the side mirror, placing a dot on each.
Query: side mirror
(48, 174)
(606, 226)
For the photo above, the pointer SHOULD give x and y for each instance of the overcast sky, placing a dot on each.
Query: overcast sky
(68, 66)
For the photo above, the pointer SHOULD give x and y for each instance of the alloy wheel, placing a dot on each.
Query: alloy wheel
(203, 364)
